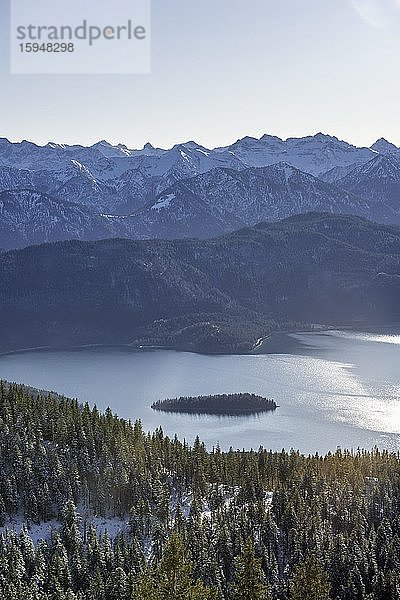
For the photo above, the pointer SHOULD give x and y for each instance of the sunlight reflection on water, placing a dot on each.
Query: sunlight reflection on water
(336, 388)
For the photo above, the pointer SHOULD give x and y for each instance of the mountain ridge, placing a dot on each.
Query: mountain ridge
(154, 192)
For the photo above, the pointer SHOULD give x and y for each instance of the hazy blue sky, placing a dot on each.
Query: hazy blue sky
(223, 69)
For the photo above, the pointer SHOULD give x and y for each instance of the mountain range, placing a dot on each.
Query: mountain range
(58, 192)
(214, 295)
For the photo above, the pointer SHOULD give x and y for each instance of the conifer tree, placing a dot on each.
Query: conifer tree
(118, 585)
(249, 584)
(309, 582)
(174, 579)
(146, 587)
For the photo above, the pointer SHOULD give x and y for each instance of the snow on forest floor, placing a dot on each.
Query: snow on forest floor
(43, 531)
(115, 525)
(227, 494)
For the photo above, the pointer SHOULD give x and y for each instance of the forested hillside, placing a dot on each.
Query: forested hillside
(218, 295)
(202, 525)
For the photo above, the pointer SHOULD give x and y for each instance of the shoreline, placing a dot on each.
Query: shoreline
(144, 348)
(256, 348)
(321, 329)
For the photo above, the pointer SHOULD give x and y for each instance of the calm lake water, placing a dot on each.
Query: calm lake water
(333, 389)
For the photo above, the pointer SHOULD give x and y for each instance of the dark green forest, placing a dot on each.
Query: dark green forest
(201, 524)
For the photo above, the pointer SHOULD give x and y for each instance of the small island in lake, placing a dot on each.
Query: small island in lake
(220, 404)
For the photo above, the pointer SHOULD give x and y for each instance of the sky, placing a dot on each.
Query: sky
(223, 69)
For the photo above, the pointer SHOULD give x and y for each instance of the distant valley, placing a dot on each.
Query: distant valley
(58, 192)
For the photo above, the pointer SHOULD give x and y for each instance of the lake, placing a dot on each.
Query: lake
(333, 389)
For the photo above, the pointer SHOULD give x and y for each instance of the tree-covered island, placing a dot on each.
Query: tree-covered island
(219, 404)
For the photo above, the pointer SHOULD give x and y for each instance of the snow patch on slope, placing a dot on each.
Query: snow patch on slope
(43, 531)
(163, 202)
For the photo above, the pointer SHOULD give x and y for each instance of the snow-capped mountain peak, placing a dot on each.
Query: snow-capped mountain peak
(384, 147)
(193, 190)
(380, 167)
